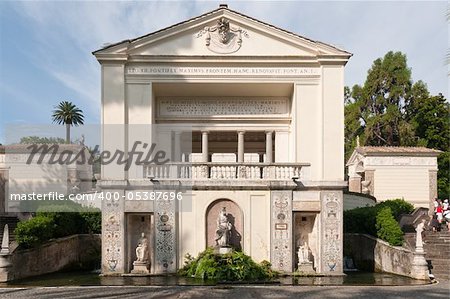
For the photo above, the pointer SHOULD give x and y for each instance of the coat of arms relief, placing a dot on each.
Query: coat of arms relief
(223, 38)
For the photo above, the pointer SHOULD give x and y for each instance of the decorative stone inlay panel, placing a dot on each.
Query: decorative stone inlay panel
(165, 236)
(331, 235)
(112, 236)
(281, 230)
(194, 107)
(432, 187)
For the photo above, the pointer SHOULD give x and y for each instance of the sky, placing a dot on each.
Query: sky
(45, 46)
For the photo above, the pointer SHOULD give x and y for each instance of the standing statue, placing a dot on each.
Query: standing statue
(419, 230)
(303, 253)
(223, 230)
(142, 249)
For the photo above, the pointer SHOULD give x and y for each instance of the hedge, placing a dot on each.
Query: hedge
(388, 228)
(56, 221)
(364, 220)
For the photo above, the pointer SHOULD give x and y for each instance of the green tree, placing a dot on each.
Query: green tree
(381, 101)
(353, 124)
(389, 110)
(66, 113)
(430, 117)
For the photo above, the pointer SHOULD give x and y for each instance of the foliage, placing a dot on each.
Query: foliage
(41, 140)
(56, 221)
(390, 110)
(388, 228)
(234, 266)
(364, 220)
(444, 175)
(66, 113)
(34, 231)
(380, 100)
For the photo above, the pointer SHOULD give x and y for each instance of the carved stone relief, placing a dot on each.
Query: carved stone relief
(223, 38)
(369, 178)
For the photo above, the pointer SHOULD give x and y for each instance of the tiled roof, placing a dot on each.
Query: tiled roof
(396, 150)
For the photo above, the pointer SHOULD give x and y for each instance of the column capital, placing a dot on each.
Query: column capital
(205, 131)
(241, 131)
(269, 132)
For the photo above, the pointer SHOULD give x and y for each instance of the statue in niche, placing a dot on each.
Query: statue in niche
(223, 230)
(142, 249)
(303, 253)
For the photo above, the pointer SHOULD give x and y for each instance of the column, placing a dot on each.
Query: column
(177, 146)
(269, 147)
(240, 157)
(204, 146)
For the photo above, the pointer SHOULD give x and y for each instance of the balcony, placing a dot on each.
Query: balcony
(225, 171)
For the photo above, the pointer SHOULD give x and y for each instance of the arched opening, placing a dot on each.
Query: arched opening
(234, 216)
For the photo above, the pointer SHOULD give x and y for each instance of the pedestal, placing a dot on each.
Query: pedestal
(419, 269)
(306, 268)
(224, 250)
(5, 268)
(140, 268)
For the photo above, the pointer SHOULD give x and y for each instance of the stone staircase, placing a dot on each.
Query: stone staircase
(12, 223)
(437, 249)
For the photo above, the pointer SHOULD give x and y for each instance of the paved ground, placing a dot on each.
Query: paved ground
(440, 290)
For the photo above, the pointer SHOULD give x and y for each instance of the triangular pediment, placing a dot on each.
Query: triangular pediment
(223, 32)
(355, 158)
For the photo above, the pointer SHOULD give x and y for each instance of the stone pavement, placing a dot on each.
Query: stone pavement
(440, 290)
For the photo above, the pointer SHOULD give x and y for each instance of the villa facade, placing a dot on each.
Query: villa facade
(252, 118)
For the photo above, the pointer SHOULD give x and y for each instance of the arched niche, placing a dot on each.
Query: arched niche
(235, 217)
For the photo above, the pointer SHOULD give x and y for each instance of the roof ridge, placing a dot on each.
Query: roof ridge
(223, 8)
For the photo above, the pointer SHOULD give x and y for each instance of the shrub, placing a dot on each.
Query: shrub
(235, 266)
(34, 231)
(388, 228)
(56, 221)
(364, 220)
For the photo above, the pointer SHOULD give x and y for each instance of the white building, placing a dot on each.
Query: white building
(263, 108)
(41, 169)
(395, 172)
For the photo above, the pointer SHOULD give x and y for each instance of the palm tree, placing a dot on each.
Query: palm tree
(66, 113)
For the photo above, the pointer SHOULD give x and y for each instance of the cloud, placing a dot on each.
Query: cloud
(66, 32)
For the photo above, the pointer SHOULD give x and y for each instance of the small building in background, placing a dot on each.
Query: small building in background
(395, 172)
(45, 172)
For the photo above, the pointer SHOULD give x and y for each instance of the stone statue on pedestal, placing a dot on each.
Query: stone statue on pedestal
(419, 230)
(303, 253)
(140, 265)
(304, 264)
(142, 249)
(419, 267)
(223, 231)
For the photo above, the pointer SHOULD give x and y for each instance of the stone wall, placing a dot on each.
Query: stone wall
(354, 200)
(372, 254)
(76, 251)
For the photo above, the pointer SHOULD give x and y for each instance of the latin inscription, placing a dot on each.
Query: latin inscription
(224, 71)
(221, 106)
